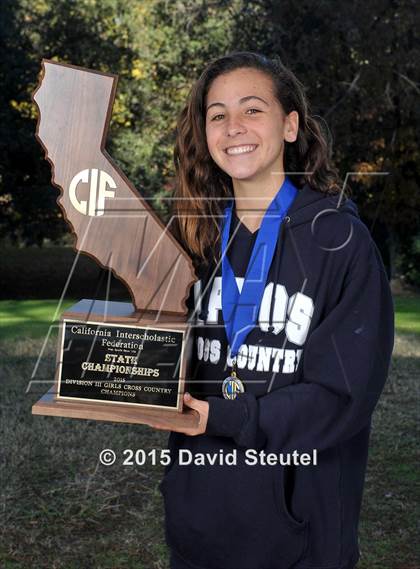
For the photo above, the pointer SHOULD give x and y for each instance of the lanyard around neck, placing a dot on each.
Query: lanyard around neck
(240, 309)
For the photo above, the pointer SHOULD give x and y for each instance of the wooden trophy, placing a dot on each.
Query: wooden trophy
(116, 361)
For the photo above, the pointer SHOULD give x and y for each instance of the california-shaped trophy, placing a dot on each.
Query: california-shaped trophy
(116, 361)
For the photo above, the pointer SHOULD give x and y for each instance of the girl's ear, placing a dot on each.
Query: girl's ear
(291, 126)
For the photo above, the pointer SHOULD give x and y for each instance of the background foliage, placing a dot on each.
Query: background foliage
(356, 60)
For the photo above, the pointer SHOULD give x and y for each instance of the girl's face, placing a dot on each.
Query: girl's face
(246, 126)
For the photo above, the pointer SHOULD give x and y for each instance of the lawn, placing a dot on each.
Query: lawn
(407, 314)
(33, 318)
(63, 510)
(29, 318)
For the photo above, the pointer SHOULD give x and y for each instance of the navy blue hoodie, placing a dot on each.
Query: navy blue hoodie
(313, 367)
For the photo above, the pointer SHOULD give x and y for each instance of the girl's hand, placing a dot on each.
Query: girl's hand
(197, 405)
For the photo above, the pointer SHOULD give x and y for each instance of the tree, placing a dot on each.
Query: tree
(356, 60)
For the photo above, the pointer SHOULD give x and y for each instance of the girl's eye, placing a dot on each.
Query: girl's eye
(215, 118)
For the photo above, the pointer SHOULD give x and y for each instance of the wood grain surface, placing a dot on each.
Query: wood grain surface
(111, 221)
(49, 405)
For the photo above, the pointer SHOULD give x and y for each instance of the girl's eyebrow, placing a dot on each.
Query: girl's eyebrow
(243, 100)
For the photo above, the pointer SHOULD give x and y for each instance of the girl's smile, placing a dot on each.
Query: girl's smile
(238, 150)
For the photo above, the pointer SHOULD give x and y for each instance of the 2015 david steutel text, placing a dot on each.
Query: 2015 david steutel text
(249, 457)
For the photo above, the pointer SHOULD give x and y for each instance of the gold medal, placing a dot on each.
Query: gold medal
(232, 385)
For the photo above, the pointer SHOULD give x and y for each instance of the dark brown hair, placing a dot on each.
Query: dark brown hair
(200, 183)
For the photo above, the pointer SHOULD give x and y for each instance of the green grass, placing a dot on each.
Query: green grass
(62, 509)
(32, 318)
(407, 314)
(29, 318)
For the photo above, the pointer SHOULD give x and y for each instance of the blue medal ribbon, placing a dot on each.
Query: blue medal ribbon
(240, 309)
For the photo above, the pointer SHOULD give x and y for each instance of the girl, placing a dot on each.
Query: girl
(293, 322)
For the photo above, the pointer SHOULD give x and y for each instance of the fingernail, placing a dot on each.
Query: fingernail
(187, 395)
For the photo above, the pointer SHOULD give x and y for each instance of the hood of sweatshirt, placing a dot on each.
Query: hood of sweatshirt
(309, 207)
(309, 203)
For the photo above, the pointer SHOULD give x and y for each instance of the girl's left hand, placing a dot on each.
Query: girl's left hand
(202, 407)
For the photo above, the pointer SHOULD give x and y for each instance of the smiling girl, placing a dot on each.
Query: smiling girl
(293, 322)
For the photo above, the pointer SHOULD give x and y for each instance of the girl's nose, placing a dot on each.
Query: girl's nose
(235, 127)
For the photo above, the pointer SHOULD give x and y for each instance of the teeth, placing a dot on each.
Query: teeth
(241, 149)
